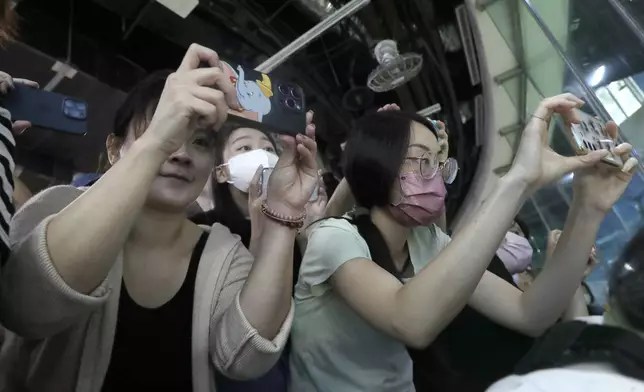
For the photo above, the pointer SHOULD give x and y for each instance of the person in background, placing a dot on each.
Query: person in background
(515, 251)
(584, 302)
(626, 311)
(240, 155)
(392, 278)
(112, 288)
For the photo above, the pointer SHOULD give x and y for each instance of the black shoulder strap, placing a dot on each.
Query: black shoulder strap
(550, 347)
(578, 342)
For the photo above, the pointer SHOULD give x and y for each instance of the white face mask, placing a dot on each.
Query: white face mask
(242, 167)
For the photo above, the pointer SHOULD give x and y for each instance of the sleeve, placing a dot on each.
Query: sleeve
(7, 153)
(442, 239)
(237, 349)
(35, 301)
(330, 244)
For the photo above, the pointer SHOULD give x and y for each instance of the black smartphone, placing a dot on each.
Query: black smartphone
(270, 104)
(47, 109)
(266, 173)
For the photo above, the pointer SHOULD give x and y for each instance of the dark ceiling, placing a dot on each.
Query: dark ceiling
(599, 36)
(115, 43)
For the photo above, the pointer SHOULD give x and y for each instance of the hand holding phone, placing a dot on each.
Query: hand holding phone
(47, 109)
(268, 103)
(591, 135)
(266, 172)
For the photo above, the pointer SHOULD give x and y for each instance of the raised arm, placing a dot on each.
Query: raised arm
(100, 220)
(543, 303)
(266, 297)
(418, 311)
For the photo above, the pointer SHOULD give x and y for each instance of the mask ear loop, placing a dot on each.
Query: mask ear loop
(402, 194)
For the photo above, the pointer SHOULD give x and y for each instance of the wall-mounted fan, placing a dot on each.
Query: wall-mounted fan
(395, 69)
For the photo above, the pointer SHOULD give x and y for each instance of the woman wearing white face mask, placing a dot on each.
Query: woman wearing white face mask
(240, 154)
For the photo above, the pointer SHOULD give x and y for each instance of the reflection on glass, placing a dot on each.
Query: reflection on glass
(624, 97)
(610, 104)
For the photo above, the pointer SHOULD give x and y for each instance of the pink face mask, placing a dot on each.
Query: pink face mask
(422, 202)
(515, 252)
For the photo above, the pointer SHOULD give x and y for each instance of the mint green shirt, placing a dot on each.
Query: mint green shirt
(333, 348)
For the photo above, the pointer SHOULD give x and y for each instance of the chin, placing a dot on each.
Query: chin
(171, 199)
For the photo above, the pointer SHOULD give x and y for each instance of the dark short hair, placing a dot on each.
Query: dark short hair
(374, 153)
(626, 282)
(142, 99)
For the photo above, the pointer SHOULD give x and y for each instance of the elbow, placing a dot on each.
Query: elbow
(413, 335)
(534, 327)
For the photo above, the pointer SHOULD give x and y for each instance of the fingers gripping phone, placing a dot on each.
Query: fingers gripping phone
(270, 104)
(46, 109)
(266, 172)
(590, 135)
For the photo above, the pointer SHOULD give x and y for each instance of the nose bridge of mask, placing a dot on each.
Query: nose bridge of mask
(243, 167)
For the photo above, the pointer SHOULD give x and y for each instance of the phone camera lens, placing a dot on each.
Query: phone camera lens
(295, 93)
(291, 104)
(284, 89)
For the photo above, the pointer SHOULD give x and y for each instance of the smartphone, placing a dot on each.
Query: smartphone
(266, 173)
(590, 135)
(270, 104)
(46, 109)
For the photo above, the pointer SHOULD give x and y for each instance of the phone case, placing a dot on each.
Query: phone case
(266, 172)
(47, 109)
(590, 135)
(269, 104)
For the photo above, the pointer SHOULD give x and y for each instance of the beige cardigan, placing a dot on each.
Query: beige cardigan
(66, 337)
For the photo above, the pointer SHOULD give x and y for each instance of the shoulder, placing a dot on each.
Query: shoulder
(331, 243)
(336, 230)
(46, 203)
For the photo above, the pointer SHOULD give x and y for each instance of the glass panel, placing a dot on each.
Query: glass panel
(625, 97)
(587, 32)
(611, 105)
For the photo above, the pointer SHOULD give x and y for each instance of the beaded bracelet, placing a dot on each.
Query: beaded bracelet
(293, 222)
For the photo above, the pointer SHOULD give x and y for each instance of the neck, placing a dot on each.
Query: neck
(394, 233)
(156, 229)
(241, 200)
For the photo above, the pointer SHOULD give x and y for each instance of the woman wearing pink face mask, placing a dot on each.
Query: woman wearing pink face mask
(387, 278)
(515, 252)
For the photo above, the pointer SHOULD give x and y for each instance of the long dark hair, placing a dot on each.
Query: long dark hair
(226, 210)
(374, 153)
(626, 282)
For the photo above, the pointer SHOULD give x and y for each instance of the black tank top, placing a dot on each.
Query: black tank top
(152, 347)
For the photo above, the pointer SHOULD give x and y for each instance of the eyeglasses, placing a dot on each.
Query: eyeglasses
(428, 166)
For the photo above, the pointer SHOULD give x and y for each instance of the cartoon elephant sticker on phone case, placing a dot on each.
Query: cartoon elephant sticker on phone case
(254, 95)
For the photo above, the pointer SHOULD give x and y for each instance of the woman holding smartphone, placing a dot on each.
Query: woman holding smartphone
(241, 153)
(393, 279)
(113, 288)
